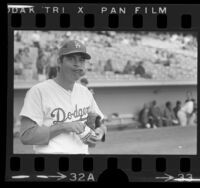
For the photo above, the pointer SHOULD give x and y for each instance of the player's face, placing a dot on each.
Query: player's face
(73, 66)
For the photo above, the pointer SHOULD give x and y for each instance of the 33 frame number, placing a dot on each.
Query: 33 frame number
(185, 176)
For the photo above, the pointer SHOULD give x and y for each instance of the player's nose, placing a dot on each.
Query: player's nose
(78, 64)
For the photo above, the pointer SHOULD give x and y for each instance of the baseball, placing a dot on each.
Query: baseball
(86, 134)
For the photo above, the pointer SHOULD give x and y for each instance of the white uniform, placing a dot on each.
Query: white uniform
(185, 110)
(48, 102)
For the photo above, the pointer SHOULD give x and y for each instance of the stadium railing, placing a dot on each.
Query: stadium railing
(122, 121)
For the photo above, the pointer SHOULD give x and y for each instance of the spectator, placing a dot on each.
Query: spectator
(144, 117)
(27, 64)
(98, 68)
(166, 63)
(18, 65)
(36, 39)
(52, 72)
(39, 62)
(18, 56)
(186, 111)
(18, 36)
(90, 67)
(169, 116)
(177, 108)
(108, 66)
(51, 67)
(128, 69)
(140, 70)
(155, 115)
(26, 59)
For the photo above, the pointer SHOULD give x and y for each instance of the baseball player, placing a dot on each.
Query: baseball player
(58, 115)
(185, 112)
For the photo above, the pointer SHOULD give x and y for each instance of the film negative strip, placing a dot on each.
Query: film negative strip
(166, 35)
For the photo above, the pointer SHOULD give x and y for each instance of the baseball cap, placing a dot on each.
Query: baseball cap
(72, 47)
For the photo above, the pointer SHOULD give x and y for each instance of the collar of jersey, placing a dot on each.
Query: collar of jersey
(62, 88)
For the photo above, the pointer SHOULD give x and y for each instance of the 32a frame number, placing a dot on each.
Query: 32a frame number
(81, 177)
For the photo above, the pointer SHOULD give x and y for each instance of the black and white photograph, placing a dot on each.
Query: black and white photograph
(105, 92)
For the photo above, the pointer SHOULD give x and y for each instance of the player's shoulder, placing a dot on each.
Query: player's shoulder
(82, 88)
(41, 85)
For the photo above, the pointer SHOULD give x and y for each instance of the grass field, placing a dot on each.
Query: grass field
(167, 140)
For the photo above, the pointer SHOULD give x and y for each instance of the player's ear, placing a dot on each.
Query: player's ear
(59, 61)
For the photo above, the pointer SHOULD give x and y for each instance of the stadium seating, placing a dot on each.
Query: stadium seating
(151, 48)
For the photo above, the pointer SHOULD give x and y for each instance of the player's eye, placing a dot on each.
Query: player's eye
(70, 58)
(82, 59)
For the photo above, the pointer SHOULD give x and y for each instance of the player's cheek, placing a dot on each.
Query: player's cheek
(69, 67)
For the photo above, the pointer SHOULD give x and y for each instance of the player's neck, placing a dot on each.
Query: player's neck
(65, 83)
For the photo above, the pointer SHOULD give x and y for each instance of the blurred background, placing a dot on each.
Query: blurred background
(128, 71)
(165, 56)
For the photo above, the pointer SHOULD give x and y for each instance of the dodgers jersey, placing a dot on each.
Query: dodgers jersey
(47, 103)
(188, 107)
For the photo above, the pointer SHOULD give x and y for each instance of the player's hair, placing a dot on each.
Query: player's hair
(61, 58)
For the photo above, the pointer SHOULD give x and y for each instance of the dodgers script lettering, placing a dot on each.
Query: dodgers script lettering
(61, 116)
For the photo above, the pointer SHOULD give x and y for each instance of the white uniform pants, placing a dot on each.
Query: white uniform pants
(182, 116)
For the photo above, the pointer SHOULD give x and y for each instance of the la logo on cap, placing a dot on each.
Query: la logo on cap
(77, 45)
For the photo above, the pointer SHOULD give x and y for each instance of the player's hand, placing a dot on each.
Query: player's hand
(99, 133)
(76, 126)
(91, 141)
(91, 120)
(98, 136)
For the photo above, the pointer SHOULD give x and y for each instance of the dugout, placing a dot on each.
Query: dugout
(127, 97)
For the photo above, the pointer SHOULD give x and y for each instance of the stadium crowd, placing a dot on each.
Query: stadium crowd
(139, 55)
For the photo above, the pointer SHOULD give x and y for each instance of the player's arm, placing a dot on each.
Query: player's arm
(32, 134)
